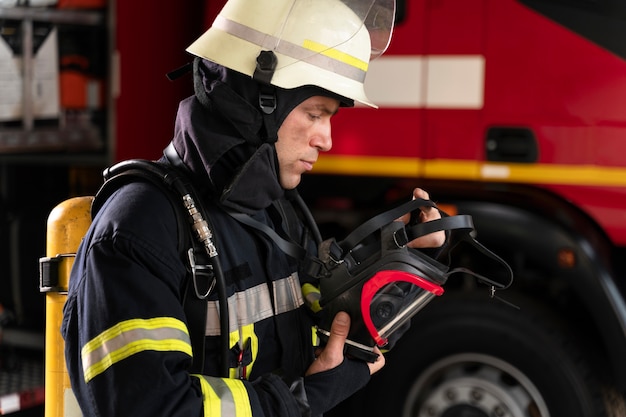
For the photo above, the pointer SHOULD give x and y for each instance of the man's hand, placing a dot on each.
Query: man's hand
(433, 240)
(332, 355)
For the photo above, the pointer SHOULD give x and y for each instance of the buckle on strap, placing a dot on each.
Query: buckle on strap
(196, 270)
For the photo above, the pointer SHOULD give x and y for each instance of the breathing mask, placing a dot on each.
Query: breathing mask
(373, 276)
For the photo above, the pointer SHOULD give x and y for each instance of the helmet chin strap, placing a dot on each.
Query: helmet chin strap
(263, 73)
(198, 87)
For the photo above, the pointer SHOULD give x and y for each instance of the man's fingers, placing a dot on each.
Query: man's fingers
(339, 330)
(380, 362)
(432, 240)
(332, 354)
(419, 193)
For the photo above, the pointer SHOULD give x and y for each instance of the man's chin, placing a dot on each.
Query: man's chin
(290, 183)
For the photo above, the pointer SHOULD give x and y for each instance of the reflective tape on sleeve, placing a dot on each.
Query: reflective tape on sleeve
(131, 337)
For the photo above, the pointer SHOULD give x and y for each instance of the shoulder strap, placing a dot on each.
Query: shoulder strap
(164, 177)
(287, 246)
(115, 178)
(311, 265)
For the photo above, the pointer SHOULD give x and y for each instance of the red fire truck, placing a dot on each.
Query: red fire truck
(513, 112)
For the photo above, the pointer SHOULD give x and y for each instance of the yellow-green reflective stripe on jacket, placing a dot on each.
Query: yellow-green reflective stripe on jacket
(223, 397)
(247, 339)
(130, 337)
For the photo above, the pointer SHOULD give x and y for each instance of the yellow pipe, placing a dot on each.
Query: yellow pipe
(67, 224)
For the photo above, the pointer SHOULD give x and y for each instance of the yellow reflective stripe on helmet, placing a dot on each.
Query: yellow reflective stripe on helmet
(130, 337)
(335, 54)
(224, 397)
(328, 59)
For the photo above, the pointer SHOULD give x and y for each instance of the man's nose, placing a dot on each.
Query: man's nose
(323, 139)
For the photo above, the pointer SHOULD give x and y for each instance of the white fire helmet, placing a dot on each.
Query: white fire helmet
(325, 43)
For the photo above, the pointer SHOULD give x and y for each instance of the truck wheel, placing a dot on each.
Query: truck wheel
(468, 356)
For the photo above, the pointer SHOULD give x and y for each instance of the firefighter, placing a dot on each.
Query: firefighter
(269, 75)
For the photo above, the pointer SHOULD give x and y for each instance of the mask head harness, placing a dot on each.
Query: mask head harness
(382, 284)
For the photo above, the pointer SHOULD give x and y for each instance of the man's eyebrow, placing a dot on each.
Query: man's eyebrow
(325, 109)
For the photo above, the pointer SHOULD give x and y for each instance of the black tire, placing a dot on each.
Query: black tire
(470, 356)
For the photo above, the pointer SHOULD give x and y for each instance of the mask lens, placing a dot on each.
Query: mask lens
(390, 298)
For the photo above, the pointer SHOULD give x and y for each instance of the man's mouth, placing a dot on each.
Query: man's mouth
(308, 165)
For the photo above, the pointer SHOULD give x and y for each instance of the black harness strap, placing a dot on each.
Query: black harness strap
(156, 174)
(290, 248)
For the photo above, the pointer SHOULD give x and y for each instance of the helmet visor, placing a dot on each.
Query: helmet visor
(375, 16)
(378, 16)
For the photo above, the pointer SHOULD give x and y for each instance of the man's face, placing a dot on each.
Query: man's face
(302, 136)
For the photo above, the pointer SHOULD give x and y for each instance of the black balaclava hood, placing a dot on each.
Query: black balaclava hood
(221, 136)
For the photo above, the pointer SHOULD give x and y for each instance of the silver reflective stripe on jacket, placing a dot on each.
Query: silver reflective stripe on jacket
(255, 304)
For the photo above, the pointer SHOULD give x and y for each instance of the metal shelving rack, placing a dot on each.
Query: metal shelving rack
(27, 142)
(86, 143)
